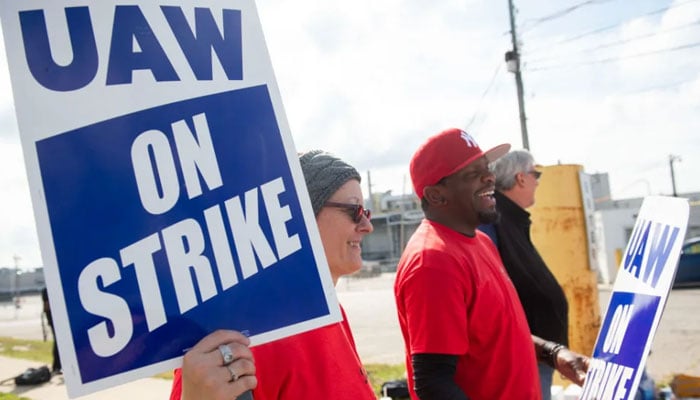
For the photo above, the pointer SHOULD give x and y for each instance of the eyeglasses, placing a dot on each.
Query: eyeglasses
(356, 211)
(535, 173)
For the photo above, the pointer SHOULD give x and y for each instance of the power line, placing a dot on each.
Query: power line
(645, 36)
(661, 86)
(613, 59)
(606, 28)
(624, 41)
(558, 14)
(483, 95)
(483, 116)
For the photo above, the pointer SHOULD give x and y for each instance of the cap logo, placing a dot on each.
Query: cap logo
(470, 140)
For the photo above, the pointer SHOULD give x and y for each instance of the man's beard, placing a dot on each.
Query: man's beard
(489, 217)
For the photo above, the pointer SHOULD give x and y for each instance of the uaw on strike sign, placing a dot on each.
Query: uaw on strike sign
(166, 187)
(639, 294)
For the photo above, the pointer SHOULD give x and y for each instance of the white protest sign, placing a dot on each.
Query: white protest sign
(637, 301)
(166, 188)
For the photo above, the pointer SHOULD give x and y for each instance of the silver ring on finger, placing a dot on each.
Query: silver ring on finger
(226, 354)
(234, 376)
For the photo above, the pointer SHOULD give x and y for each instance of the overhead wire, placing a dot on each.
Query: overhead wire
(660, 87)
(528, 27)
(624, 41)
(647, 53)
(644, 36)
(525, 29)
(483, 95)
(613, 59)
(605, 28)
(484, 116)
(557, 14)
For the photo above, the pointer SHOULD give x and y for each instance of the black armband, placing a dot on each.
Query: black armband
(548, 353)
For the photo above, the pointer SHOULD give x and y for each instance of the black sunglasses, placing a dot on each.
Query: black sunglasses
(356, 211)
(535, 173)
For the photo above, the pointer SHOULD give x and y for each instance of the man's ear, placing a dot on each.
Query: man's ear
(433, 195)
(520, 178)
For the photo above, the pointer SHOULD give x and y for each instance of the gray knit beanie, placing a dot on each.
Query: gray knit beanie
(324, 174)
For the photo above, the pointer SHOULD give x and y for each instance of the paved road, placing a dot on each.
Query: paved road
(676, 346)
(23, 322)
(369, 303)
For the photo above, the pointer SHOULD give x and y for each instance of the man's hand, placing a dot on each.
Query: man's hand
(572, 365)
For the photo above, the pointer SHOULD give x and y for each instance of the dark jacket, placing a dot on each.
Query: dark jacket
(542, 297)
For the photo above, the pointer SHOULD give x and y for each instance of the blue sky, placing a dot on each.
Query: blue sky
(612, 85)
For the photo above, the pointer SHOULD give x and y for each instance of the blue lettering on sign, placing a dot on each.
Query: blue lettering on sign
(618, 328)
(81, 71)
(607, 380)
(645, 260)
(197, 47)
(620, 346)
(131, 27)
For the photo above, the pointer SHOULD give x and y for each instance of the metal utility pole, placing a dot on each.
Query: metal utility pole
(513, 61)
(16, 290)
(671, 160)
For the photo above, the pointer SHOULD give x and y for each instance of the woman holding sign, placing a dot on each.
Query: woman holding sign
(322, 363)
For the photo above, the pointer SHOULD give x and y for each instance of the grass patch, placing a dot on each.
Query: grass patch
(39, 351)
(11, 396)
(165, 375)
(34, 350)
(380, 373)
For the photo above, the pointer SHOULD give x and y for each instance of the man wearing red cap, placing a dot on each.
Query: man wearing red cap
(465, 331)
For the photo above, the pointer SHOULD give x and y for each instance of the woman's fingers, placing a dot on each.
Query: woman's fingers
(218, 367)
(214, 339)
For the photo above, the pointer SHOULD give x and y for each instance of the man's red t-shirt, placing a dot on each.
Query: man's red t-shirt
(318, 364)
(453, 296)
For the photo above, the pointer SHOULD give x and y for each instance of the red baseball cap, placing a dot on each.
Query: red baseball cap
(446, 153)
